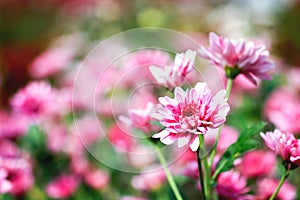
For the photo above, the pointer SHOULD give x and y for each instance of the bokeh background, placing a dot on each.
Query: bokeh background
(47, 40)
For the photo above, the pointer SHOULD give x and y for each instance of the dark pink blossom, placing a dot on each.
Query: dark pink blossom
(63, 186)
(34, 100)
(231, 185)
(189, 114)
(245, 57)
(257, 163)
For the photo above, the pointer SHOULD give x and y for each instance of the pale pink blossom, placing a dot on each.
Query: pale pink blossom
(246, 57)
(51, 62)
(283, 109)
(149, 180)
(141, 156)
(231, 185)
(137, 64)
(173, 76)
(257, 163)
(62, 186)
(189, 114)
(34, 99)
(96, 178)
(284, 144)
(267, 186)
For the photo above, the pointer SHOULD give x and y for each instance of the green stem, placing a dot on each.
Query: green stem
(200, 170)
(283, 178)
(168, 174)
(206, 168)
(214, 150)
(298, 183)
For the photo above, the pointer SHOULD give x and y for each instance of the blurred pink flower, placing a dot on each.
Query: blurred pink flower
(189, 114)
(97, 178)
(51, 62)
(122, 140)
(173, 76)
(257, 163)
(9, 129)
(16, 169)
(34, 99)
(231, 185)
(284, 144)
(149, 179)
(141, 156)
(246, 57)
(283, 109)
(267, 186)
(137, 64)
(62, 187)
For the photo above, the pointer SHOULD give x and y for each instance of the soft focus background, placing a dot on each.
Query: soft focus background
(42, 43)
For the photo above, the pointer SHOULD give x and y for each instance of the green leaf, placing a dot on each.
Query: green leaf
(244, 143)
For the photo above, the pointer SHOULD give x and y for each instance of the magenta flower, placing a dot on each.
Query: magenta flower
(284, 144)
(189, 114)
(231, 185)
(238, 57)
(62, 187)
(173, 76)
(257, 164)
(34, 99)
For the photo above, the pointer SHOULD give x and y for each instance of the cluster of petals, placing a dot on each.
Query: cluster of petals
(250, 59)
(190, 113)
(173, 76)
(284, 144)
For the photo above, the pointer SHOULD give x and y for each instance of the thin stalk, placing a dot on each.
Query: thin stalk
(298, 183)
(283, 178)
(170, 178)
(206, 169)
(214, 149)
(201, 177)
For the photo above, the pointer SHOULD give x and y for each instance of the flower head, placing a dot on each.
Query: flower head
(189, 114)
(238, 57)
(284, 144)
(174, 76)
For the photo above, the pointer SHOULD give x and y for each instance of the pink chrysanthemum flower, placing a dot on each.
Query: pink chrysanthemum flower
(189, 114)
(238, 57)
(174, 76)
(284, 144)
